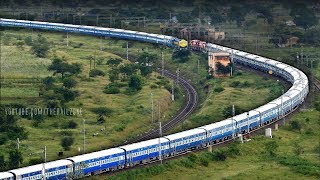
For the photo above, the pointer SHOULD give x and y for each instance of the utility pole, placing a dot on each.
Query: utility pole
(162, 64)
(84, 135)
(152, 108)
(248, 122)
(177, 75)
(101, 43)
(97, 21)
(67, 39)
(160, 132)
(127, 50)
(233, 114)
(198, 65)
(172, 91)
(44, 162)
(18, 144)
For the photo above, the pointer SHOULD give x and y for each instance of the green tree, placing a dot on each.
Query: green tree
(61, 66)
(237, 14)
(40, 47)
(48, 82)
(69, 83)
(303, 16)
(135, 82)
(15, 158)
(146, 63)
(66, 142)
(271, 147)
(3, 163)
(114, 62)
(181, 55)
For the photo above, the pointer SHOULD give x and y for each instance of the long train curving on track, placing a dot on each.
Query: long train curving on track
(169, 146)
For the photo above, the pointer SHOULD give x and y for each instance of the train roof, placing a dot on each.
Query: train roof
(216, 125)
(183, 134)
(95, 155)
(39, 167)
(4, 175)
(142, 144)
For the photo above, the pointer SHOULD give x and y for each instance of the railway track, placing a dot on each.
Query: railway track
(190, 105)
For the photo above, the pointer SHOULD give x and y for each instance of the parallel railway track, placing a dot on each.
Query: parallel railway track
(189, 106)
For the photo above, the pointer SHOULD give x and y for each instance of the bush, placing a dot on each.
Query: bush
(66, 142)
(71, 124)
(204, 161)
(69, 83)
(3, 139)
(34, 161)
(112, 89)
(102, 111)
(96, 72)
(40, 47)
(218, 89)
(135, 83)
(219, 155)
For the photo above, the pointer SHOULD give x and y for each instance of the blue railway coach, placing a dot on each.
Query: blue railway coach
(98, 162)
(186, 140)
(145, 151)
(59, 169)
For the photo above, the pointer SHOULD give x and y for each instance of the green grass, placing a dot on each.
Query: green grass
(131, 114)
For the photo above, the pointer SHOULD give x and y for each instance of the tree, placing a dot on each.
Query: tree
(15, 158)
(60, 66)
(271, 147)
(69, 83)
(303, 16)
(146, 63)
(66, 142)
(40, 47)
(237, 14)
(3, 163)
(68, 95)
(71, 124)
(114, 62)
(48, 82)
(312, 36)
(128, 69)
(182, 55)
(135, 82)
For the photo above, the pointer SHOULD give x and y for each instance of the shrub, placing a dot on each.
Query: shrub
(66, 142)
(71, 124)
(3, 139)
(102, 111)
(219, 155)
(96, 72)
(218, 89)
(112, 89)
(69, 83)
(204, 161)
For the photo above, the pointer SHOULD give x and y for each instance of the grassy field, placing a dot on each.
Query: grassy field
(22, 72)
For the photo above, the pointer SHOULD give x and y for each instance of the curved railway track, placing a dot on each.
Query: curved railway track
(191, 101)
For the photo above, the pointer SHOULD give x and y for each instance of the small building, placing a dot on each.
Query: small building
(219, 64)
